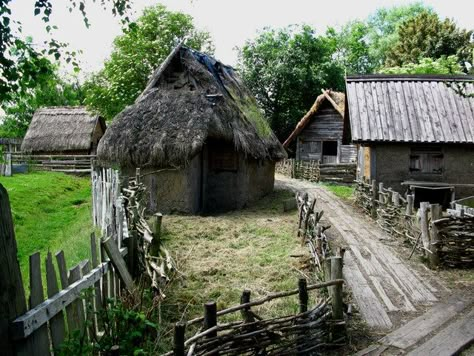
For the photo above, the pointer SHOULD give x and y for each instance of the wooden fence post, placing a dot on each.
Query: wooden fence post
(410, 204)
(436, 212)
(156, 221)
(425, 235)
(395, 199)
(118, 262)
(210, 317)
(336, 273)
(12, 294)
(132, 256)
(303, 294)
(381, 199)
(246, 315)
(179, 330)
(373, 210)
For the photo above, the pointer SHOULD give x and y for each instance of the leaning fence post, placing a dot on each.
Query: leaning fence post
(373, 211)
(336, 273)
(179, 330)
(434, 238)
(12, 294)
(303, 294)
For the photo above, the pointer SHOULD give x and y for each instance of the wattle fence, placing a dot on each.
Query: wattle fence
(314, 171)
(445, 238)
(74, 164)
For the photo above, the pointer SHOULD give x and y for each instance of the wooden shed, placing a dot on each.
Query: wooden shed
(198, 136)
(413, 130)
(318, 134)
(63, 131)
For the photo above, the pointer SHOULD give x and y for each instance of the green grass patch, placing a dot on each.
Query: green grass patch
(51, 211)
(342, 191)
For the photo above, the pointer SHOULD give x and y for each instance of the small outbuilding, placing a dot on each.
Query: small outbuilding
(197, 135)
(414, 131)
(63, 131)
(318, 134)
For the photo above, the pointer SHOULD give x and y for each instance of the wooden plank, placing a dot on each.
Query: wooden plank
(97, 291)
(415, 330)
(61, 261)
(34, 318)
(105, 278)
(77, 305)
(89, 311)
(56, 324)
(369, 305)
(451, 340)
(40, 337)
(12, 293)
(118, 262)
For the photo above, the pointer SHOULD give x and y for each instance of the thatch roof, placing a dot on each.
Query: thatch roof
(336, 99)
(61, 129)
(190, 99)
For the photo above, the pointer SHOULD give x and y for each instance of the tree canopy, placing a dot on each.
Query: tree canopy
(443, 65)
(136, 53)
(21, 63)
(426, 36)
(286, 69)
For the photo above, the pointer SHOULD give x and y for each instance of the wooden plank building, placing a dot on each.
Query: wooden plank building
(318, 134)
(413, 130)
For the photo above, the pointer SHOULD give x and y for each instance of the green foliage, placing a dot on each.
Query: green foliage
(137, 52)
(46, 215)
(342, 191)
(361, 46)
(50, 90)
(286, 69)
(21, 63)
(426, 36)
(443, 65)
(126, 328)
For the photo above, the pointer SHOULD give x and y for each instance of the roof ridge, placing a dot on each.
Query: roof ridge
(409, 77)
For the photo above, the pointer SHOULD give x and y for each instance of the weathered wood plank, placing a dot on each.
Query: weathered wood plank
(97, 291)
(451, 340)
(56, 324)
(12, 293)
(118, 262)
(369, 305)
(34, 318)
(40, 338)
(415, 330)
(62, 269)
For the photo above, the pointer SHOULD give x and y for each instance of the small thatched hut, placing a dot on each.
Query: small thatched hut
(63, 131)
(200, 128)
(318, 134)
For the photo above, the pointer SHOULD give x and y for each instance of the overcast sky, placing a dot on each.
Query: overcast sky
(229, 22)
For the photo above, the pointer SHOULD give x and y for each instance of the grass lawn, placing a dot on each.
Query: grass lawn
(51, 211)
(342, 191)
(220, 256)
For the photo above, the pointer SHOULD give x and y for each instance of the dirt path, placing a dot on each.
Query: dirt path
(390, 292)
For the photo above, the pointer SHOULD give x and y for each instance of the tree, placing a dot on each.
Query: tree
(286, 69)
(136, 53)
(443, 65)
(361, 46)
(426, 36)
(50, 90)
(22, 64)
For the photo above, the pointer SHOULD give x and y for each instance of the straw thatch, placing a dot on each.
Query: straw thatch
(190, 100)
(336, 99)
(61, 129)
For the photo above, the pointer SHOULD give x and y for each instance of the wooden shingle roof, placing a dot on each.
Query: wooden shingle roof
(410, 108)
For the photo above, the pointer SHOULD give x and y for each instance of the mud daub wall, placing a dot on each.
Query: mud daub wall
(393, 166)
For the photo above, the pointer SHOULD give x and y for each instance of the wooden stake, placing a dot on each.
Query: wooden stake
(373, 210)
(179, 330)
(434, 238)
(410, 204)
(336, 273)
(118, 262)
(210, 317)
(425, 235)
(303, 294)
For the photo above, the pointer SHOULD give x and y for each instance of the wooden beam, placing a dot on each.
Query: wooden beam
(118, 262)
(38, 316)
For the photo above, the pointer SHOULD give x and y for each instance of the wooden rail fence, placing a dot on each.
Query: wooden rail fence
(444, 238)
(315, 171)
(75, 164)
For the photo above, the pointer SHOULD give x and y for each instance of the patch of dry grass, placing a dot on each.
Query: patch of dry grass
(220, 256)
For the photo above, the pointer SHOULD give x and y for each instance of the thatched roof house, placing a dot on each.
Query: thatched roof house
(318, 134)
(414, 130)
(196, 118)
(63, 130)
